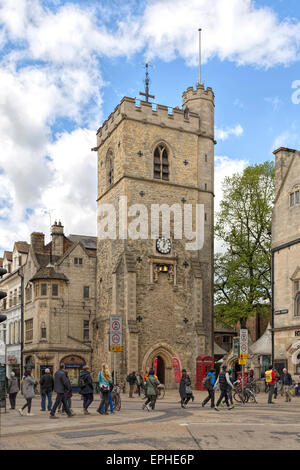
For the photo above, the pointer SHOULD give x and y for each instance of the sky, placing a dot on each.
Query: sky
(65, 65)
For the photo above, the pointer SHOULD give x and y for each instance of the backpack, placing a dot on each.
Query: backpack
(207, 381)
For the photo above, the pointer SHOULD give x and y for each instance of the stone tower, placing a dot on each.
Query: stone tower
(151, 154)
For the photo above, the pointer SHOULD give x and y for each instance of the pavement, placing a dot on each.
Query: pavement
(246, 427)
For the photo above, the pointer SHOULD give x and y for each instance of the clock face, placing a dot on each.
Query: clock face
(163, 245)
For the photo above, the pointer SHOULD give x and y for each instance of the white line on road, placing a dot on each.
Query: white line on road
(240, 424)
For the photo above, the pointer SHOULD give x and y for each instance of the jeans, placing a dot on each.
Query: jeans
(104, 401)
(131, 390)
(224, 394)
(87, 400)
(211, 396)
(12, 400)
(111, 405)
(60, 398)
(43, 402)
(271, 391)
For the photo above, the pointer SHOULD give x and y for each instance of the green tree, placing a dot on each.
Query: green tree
(243, 224)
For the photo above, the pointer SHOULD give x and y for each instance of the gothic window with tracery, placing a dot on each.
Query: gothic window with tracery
(161, 163)
(297, 306)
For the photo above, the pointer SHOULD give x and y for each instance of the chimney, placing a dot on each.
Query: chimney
(38, 242)
(57, 232)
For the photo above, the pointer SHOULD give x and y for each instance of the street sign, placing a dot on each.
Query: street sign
(243, 341)
(236, 345)
(116, 348)
(243, 356)
(242, 362)
(115, 332)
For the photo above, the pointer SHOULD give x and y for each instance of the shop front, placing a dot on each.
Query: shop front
(73, 365)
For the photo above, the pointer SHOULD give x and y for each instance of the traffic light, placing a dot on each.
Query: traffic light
(2, 294)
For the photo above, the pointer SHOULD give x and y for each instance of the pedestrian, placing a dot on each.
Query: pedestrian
(185, 390)
(276, 387)
(28, 384)
(140, 383)
(46, 389)
(189, 391)
(61, 386)
(105, 383)
(68, 396)
(208, 383)
(151, 391)
(86, 388)
(229, 390)
(270, 380)
(131, 379)
(223, 381)
(287, 383)
(12, 390)
(111, 403)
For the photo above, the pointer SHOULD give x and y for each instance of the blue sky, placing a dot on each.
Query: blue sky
(65, 65)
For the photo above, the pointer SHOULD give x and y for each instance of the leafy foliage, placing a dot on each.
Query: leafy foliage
(243, 271)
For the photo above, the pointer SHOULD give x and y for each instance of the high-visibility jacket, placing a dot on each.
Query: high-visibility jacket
(270, 377)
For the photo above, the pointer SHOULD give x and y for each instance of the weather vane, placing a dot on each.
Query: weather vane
(147, 81)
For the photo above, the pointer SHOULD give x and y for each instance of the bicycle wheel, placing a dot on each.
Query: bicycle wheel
(250, 396)
(161, 393)
(238, 397)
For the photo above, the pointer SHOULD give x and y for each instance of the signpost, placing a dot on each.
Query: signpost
(115, 339)
(243, 352)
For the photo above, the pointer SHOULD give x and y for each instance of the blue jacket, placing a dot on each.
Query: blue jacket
(287, 379)
(213, 378)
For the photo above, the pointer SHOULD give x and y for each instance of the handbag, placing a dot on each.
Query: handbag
(105, 388)
(188, 389)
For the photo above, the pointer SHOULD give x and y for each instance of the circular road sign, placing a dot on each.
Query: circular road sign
(116, 325)
(115, 338)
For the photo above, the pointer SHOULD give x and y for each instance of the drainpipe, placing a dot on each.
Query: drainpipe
(22, 321)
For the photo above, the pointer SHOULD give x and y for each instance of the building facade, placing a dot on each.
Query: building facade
(286, 260)
(59, 302)
(10, 330)
(152, 155)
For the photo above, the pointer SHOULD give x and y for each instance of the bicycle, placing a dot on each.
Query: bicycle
(238, 395)
(116, 397)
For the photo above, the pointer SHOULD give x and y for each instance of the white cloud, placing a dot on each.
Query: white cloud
(289, 139)
(224, 134)
(275, 101)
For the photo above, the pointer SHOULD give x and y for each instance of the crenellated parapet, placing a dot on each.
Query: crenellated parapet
(152, 113)
(200, 92)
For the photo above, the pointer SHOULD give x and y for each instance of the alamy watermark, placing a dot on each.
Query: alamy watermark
(296, 94)
(136, 223)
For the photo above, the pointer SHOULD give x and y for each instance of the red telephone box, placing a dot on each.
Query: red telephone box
(203, 366)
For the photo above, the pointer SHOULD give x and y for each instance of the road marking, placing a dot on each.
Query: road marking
(241, 424)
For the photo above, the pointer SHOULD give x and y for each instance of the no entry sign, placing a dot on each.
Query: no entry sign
(243, 342)
(115, 333)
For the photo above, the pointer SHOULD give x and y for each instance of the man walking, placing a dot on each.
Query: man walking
(46, 388)
(131, 379)
(271, 380)
(287, 382)
(223, 381)
(61, 385)
(86, 388)
(209, 383)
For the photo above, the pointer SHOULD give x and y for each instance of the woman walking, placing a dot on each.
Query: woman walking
(105, 384)
(28, 385)
(185, 389)
(12, 390)
(151, 391)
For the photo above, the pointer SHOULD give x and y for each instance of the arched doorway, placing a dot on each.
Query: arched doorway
(161, 369)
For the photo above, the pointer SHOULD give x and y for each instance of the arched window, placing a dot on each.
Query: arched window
(109, 167)
(161, 163)
(297, 306)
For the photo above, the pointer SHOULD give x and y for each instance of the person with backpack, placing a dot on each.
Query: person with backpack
(105, 383)
(223, 381)
(229, 390)
(270, 380)
(86, 388)
(208, 384)
(151, 391)
(131, 379)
